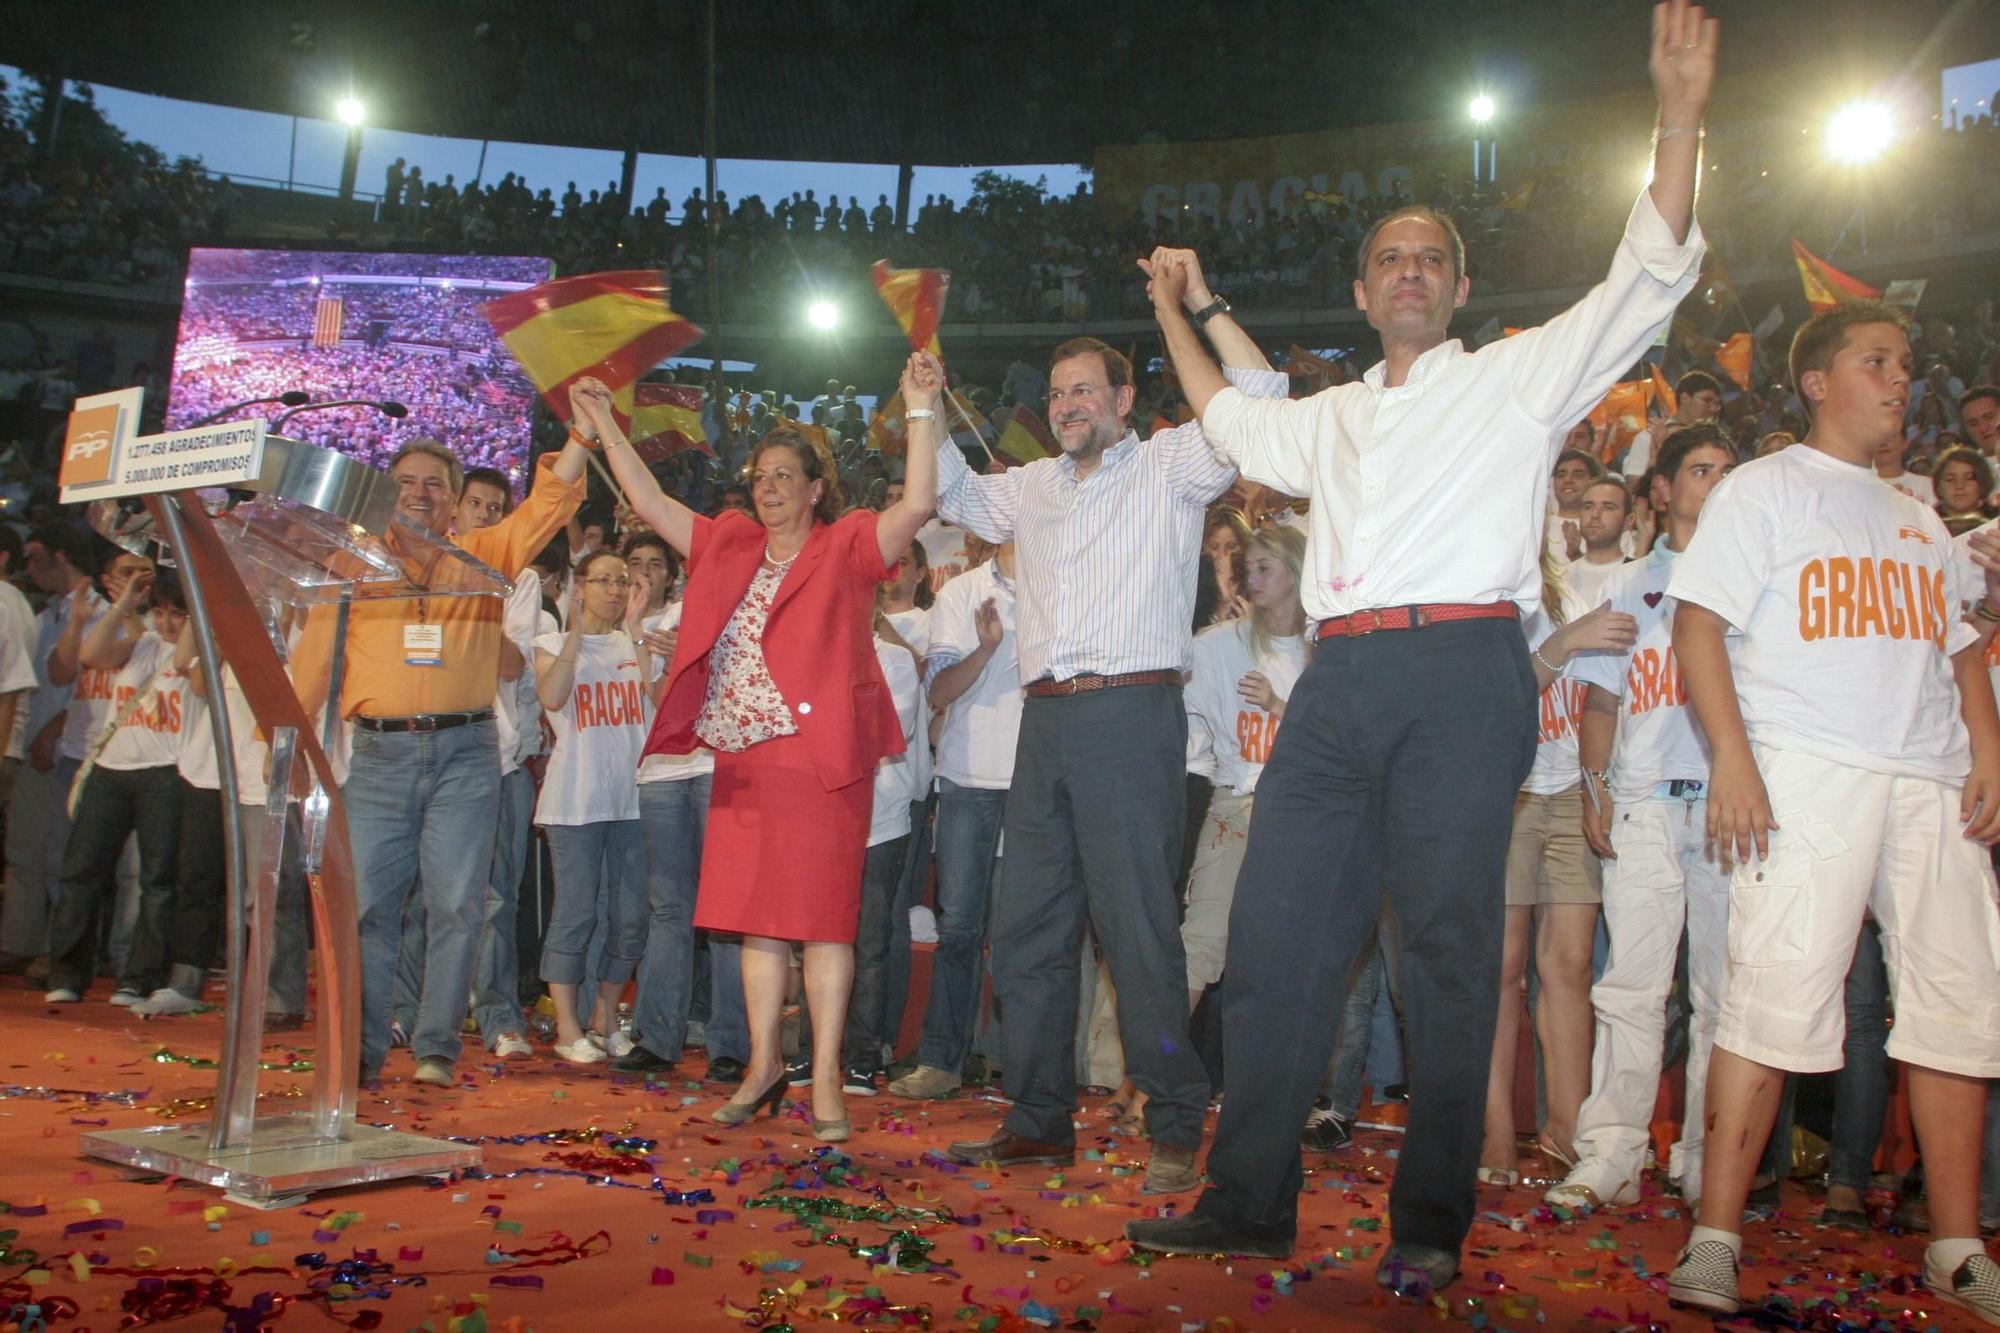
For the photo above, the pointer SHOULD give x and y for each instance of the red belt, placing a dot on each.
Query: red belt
(1412, 617)
(1046, 688)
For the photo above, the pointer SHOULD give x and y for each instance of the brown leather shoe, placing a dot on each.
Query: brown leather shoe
(1007, 1148)
(1171, 1171)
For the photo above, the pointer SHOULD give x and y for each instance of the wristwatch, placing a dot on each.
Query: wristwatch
(1216, 307)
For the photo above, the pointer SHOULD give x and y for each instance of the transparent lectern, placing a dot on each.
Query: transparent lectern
(316, 531)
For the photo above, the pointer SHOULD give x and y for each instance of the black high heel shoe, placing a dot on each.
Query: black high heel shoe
(731, 1114)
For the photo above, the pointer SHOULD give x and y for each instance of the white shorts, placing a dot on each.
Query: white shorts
(1850, 841)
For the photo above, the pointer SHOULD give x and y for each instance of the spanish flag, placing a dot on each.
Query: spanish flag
(616, 326)
(666, 420)
(1826, 286)
(915, 296)
(1024, 439)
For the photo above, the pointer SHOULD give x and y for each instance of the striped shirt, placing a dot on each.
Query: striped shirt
(1105, 567)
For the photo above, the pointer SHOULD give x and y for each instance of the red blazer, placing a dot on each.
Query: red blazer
(819, 644)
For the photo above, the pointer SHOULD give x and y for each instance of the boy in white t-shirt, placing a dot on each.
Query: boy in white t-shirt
(1645, 816)
(1856, 767)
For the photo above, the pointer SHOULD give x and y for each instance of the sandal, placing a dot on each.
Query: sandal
(1547, 1148)
(1504, 1177)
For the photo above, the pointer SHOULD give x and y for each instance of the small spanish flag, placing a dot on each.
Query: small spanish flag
(888, 433)
(915, 296)
(1024, 439)
(666, 420)
(1826, 286)
(616, 326)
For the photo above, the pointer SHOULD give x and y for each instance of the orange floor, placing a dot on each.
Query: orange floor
(569, 1234)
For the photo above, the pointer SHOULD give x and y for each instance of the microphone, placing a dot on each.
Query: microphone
(292, 399)
(389, 409)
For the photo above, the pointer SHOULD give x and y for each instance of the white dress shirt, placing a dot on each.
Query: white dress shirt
(1436, 490)
(1105, 565)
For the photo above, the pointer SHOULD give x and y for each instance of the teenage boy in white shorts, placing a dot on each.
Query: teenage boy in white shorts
(1647, 819)
(1856, 767)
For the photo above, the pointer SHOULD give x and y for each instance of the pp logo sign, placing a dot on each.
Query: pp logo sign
(87, 449)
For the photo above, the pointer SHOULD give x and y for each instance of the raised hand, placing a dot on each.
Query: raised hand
(635, 602)
(1601, 630)
(986, 621)
(589, 405)
(923, 380)
(1682, 61)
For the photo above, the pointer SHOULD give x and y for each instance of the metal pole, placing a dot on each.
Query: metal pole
(292, 161)
(714, 223)
(236, 1086)
(479, 172)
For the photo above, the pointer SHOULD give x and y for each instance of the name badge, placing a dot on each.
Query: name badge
(423, 645)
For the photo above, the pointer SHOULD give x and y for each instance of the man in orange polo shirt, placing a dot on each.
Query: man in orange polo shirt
(424, 783)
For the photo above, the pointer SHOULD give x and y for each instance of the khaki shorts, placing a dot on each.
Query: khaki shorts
(1548, 861)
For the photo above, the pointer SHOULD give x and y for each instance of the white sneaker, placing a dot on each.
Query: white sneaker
(513, 1046)
(61, 995)
(614, 1045)
(1593, 1183)
(125, 998)
(1974, 1286)
(1705, 1278)
(166, 1001)
(582, 1051)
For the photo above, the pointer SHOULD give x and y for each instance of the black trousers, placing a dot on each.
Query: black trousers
(1094, 823)
(1395, 771)
(114, 804)
(194, 923)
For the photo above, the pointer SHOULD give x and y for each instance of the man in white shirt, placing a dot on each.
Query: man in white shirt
(975, 677)
(1572, 475)
(1889, 467)
(1604, 522)
(1697, 397)
(1979, 410)
(1409, 734)
(1107, 538)
(61, 560)
(1646, 817)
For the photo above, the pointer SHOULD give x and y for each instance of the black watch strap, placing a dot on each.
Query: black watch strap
(1216, 307)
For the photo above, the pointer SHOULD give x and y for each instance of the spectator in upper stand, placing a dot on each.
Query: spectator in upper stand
(392, 189)
(882, 217)
(572, 202)
(657, 208)
(853, 220)
(805, 212)
(1697, 397)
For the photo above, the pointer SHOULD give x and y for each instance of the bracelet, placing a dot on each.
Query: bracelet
(1984, 609)
(1536, 653)
(1597, 775)
(1661, 136)
(920, 414)
(582, 439)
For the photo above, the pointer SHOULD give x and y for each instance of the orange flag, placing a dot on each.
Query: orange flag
(888, 433)
(1663, 392)
(915, 296)
(1317, 371)
(666, 419)
(1735, 356)
(616, 326)
(1826, 286)
(1620, 416)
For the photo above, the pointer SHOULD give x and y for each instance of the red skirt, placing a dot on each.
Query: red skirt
(782, 855)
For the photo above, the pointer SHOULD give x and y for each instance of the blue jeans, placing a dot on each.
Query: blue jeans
(1861, 1086)
(291, 931)
(496, 978)
(607, 859)
(416, 801)
(968, 834)
(672, 815)
(1351, 1050)
(909, 892)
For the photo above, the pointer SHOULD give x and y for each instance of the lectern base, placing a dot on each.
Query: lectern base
(287, 1160)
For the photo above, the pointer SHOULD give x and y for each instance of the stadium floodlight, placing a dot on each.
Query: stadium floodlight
(1482, 108)
(823, 315)
(1860, 132)
(350, 111)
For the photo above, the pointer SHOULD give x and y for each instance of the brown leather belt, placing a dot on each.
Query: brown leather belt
(1090, 682)
(1412, 617)
(422, 723)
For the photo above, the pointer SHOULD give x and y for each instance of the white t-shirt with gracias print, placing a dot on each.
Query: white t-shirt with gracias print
(1229, 738)
(1559, 709)
(1843, 602)
(150, 735)
(592, 776)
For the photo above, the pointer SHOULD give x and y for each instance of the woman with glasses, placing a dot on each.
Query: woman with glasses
(775, 671)
(591, 680)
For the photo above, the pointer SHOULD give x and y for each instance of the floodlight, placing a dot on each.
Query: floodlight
(350, 111)
(1482, 108)
(1859, 132)
(822, 314)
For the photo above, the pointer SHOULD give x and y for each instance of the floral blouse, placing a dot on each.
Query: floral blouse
(743, 705)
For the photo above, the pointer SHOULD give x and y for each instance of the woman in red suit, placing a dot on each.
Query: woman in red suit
(776, 672)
